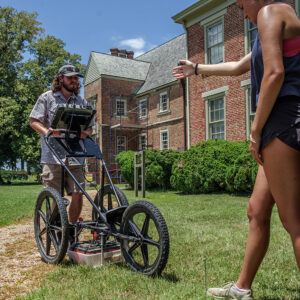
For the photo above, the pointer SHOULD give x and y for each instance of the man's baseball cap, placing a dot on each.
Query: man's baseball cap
(69, 70)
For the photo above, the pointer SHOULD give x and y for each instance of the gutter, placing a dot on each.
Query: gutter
(186, 96)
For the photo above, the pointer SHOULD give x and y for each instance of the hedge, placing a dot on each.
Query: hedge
(210, 166)
(10, 175)
(158, 167)
(213, 166)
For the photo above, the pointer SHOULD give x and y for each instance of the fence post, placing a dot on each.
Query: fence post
(138, 166)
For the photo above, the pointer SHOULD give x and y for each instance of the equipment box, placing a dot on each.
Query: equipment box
(90, 254)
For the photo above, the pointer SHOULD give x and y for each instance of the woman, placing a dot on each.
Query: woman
(275, 133)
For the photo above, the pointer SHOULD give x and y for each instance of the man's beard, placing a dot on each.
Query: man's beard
(71, 90)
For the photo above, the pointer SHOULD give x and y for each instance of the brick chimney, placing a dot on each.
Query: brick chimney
(122, 53)
(114, 51)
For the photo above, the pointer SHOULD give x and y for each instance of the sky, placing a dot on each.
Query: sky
(98, 25)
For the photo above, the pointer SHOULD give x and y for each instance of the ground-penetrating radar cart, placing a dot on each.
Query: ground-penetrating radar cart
(138, 229)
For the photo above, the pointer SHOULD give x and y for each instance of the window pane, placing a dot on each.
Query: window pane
(215, 43)
(216, 122)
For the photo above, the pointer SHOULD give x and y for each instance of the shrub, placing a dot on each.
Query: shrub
(212, 166)
(11, 175)
(158, 167)
(126, 161)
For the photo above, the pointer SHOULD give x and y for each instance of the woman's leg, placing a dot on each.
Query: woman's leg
(259, 211)
(282, 168)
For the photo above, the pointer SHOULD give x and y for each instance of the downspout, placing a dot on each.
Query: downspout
(187, 94)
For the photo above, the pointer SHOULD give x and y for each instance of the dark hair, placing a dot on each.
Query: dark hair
(56, 85)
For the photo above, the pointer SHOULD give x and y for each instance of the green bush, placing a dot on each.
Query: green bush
(11, 175)
(158, 167)
(212, 166)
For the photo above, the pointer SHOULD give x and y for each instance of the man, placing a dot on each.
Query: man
(65, 89)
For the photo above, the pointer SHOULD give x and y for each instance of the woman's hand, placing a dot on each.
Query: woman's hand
(255, 140)
(186, 69)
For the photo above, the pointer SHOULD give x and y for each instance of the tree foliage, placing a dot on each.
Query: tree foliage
(23, 80)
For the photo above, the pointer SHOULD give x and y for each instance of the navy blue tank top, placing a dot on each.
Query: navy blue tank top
(291, 62)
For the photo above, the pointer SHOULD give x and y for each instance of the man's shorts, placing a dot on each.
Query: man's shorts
(51, 177)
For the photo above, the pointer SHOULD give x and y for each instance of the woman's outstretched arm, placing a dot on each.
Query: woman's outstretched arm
(234, 68)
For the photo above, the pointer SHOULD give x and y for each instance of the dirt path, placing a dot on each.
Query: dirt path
(21, 268)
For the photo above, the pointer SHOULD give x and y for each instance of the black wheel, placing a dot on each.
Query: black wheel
(149, 253)
(106, 200)
(51, 226)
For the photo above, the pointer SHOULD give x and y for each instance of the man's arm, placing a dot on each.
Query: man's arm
(40, 127)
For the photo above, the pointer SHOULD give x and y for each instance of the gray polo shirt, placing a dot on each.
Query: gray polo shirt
(43, 111)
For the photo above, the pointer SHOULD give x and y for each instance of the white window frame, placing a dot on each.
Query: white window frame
(143, 135)
(161, 95)
(208, 100)
(297, 7)
(92, 101)
(249, 114)
(206, 27)
(124, 101)
(140, 109)
(119, 147)
(247, 36)
(161, 133)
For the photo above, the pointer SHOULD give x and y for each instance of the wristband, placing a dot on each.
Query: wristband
(196, 69)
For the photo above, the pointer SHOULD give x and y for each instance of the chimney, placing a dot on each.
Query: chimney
(130, 54)
(122, 53)
(114, 51)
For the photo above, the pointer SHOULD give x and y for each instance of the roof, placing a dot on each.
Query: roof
(163, 59)
(105, 64)
(154, 67)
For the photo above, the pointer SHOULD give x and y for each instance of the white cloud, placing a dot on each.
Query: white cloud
(135, 44)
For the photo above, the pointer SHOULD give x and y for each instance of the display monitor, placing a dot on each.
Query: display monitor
(73, 117)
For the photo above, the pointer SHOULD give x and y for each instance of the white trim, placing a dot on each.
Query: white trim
(160, 138)
(201, 11)
(163, 122)
(214, 17)
(219, 90)
(245, 83)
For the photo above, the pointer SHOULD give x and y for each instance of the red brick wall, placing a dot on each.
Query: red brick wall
(235, 102)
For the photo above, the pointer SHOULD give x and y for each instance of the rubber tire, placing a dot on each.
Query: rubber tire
(62, 217)
(98, 200)
(164, 245)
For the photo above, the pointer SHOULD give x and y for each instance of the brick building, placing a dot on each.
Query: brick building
(140, 105)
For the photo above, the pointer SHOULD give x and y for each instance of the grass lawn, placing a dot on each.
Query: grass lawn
(209, 229)
(17, 202)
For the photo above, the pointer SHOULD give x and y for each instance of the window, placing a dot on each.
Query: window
(252, 33)
(215, 44)
(121, 107)
(163, 102)
(92, 101)
(121, 143)
(164, 139)
(143, 109)
(142, 141)
(297, 7)
(216, 118)
(250, 114)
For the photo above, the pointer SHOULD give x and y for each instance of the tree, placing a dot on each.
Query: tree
(48, 55)
(21, 82)
(17, 30)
